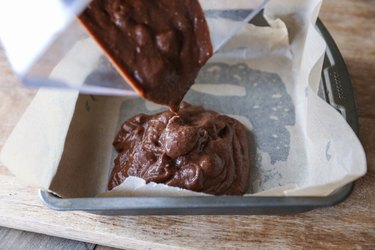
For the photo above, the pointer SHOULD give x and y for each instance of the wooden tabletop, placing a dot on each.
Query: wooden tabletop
(348, 225)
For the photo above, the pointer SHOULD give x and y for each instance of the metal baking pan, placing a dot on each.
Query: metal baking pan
(335, 88)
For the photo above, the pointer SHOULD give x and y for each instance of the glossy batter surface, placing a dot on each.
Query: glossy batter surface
(198, 149)
(158, 46)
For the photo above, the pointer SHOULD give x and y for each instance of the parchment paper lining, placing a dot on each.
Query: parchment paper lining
(271, 76)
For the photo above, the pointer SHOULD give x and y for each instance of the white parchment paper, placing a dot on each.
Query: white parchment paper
(266, 77)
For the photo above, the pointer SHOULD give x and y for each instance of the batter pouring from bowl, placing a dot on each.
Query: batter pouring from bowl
(159, 47)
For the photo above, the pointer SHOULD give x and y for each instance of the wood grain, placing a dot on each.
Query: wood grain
(349, 225)
(352, 26)
(15, 239)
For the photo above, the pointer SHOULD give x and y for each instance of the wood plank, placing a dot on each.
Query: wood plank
(348, 225)
(104, 248)
(367, 131)
(351, 24)
(16, 239)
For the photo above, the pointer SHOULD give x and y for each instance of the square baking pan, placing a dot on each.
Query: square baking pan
(335, 89)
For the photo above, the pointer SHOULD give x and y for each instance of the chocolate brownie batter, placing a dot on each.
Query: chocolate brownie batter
(158, 46)
(198, 149)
